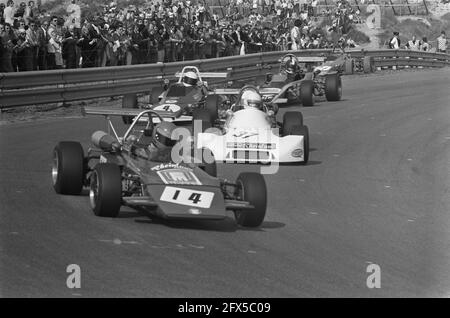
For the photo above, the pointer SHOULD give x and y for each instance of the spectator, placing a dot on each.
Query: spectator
(69, 48)
(425, 45)
(394, 42)
(413, 44)
(9, 12)
(442, 43)
(32, 36)
(74, 11)
(54, 57)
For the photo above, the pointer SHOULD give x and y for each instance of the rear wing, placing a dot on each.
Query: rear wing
(263, 91)
(123, 112)
(235, 91)
(207, 74)
(311, 59)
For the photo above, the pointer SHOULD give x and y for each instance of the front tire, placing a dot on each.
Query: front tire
(307, 93)
(290, 120)
(253, 190)
(106, 190)
(68, 167)
(333, 87)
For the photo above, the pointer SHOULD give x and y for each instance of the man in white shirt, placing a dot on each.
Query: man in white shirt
(8, 13)
(74, 12)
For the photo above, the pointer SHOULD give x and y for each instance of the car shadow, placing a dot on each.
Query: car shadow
(310, 163)
(225, 225)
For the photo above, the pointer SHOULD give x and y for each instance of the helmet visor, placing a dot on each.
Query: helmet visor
(168, 142)
(189, 80)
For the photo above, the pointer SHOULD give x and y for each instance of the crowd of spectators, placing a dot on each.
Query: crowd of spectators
(160, 31)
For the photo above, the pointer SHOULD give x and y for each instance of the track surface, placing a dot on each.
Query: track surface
(376, 191)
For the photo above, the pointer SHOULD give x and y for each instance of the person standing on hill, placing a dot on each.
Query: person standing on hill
(442, 43)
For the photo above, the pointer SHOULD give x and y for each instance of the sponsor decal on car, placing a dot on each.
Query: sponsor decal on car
(168, 108)
(163, 166)
(297, 153)
(178, 176)
(251, 145)
(194, 198)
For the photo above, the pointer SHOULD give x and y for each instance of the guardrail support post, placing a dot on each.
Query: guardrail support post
(129, 101)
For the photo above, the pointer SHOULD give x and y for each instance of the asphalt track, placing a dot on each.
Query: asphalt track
(376, 191)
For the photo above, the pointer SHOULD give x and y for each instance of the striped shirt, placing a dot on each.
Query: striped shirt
(442, 43)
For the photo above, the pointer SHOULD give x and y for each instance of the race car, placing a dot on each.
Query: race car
(190, 92)
(248, 132)
(137, 170)
(301, 84)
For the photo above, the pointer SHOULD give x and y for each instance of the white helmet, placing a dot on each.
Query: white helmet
(251, 99)
(190, 79)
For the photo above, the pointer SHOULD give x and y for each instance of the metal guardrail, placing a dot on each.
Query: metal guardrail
(41, 87)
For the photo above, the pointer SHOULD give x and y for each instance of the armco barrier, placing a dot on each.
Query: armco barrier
(41, 87)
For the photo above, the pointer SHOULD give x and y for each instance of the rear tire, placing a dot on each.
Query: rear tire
(303, 131)
(290, 120)
(212, 106)
(106, 190)
(333, 87)
(129, 101)
(68, 167)
(307, 93)
(254, 191)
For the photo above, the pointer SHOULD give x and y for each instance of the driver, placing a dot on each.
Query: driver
(292, 69)
(160, 146)
(251, 99)
(190, 79)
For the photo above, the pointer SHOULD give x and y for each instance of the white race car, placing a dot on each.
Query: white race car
(252, 134)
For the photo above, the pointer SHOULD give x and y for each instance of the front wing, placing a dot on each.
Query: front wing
(261, 148)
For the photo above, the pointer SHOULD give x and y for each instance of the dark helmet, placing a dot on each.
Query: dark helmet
(162, 135)
(290, 66)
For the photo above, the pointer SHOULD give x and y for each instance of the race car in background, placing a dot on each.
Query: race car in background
(122, 171)
(250, 133)
(182, 98)
(300, 84)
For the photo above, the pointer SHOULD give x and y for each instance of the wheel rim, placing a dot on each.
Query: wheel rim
(55, 166)
(93, 191)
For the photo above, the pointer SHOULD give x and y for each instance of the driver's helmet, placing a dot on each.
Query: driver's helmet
(251, 99)
(291, 66)
(162, 135)
(190, 79)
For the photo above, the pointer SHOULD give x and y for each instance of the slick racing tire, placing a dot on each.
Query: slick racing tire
(68, 167)
(212, 105)
(333, 87)
(129, 101)
(290, 120)
(252, 189)
(105, 194)
(203, 117)
(208, 162)
(156, 91)
(302, 131)
(307, 93)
